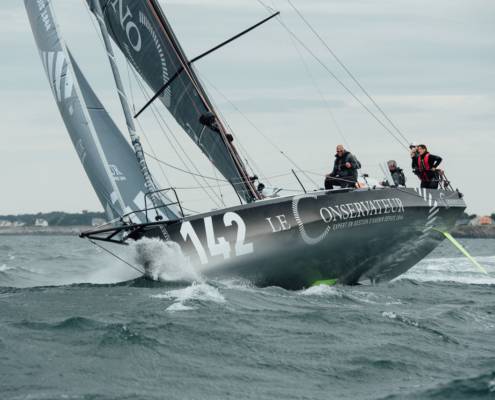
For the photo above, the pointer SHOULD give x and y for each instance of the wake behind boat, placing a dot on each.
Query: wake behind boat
(348, 235)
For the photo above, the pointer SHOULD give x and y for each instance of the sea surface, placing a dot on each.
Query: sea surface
(77, 324)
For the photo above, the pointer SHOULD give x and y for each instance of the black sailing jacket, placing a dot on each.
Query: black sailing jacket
(339, 168)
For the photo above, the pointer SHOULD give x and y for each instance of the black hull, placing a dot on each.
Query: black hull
(351, 236)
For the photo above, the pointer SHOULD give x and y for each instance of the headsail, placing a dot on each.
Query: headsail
(144, 35)
(107, 157)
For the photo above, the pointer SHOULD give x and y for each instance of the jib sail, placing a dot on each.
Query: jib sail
(107, 157)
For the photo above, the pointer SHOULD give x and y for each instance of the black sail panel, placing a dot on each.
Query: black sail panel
(143, 34)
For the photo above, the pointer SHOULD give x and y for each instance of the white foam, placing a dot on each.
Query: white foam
(195, 292)
(389, 314)
(491, 386)
(238, 284)
(164, 261)
(401, 318)
(179, 307)
(321, 290)
(5, 268)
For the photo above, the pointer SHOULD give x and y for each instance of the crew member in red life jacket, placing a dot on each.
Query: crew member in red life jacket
(427, 168)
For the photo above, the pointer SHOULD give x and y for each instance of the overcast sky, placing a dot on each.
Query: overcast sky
(429, 64)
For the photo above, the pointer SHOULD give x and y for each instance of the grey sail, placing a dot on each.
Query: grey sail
(107, 157)
(142, 33)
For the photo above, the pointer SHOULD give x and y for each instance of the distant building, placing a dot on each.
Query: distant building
(4, 223)
(19, 223)
(484, 220)
(41, 222)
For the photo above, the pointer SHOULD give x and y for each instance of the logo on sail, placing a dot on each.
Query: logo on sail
(132, 34)
(61, 80)
(116, 173)
(132, 31)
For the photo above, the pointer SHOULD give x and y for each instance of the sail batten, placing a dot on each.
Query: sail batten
(143, 34)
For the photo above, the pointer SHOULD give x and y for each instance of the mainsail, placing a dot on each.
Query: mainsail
(144, 35)
(107, 157)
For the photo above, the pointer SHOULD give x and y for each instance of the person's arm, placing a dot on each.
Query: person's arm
(351, 159)
(335, 169)
(435, 161)
(414, 162)
(396, 178)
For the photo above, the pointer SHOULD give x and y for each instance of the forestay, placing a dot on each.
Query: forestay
(107, 157)
(144, 35)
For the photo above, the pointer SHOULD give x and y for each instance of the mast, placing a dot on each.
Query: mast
(204, 97)
(136, 142)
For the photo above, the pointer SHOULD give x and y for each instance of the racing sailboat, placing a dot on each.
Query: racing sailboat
(348, 235)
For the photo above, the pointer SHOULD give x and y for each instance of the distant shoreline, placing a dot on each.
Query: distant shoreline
(43, 231)
(474, 232)
(462, 232)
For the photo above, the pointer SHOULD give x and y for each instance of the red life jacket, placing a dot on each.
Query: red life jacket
(424, 166)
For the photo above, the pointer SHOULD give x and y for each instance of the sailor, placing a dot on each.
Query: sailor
(345, 170)
(398, 177)
(427, 168)
(413, 151)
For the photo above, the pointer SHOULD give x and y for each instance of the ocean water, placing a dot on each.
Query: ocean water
(77, 324)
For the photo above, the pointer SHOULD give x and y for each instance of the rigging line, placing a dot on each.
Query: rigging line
(241, 146)
(131, 91)
(219, 187)
(185, 171)
(160, 165)
(346, 69)
(333, 75)
(158, 117)
(160, 120)
(155, 115)
(317, 88)
(247, 156)
(260, 132)
(188, 64)
(206, 176)
(117, 257)
(130, 84)
(226, 184)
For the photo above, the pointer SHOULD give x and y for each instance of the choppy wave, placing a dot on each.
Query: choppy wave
(185, 298)
(479, 387)
(457, 269)
(409, 321)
